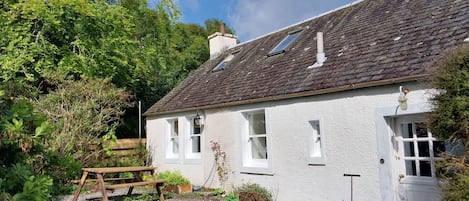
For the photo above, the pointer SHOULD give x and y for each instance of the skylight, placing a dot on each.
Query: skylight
(280, 48)
(223, 63)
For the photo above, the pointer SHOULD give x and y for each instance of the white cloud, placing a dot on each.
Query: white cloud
(253, 18)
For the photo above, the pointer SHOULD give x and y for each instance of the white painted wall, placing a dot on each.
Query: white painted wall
(349, 134)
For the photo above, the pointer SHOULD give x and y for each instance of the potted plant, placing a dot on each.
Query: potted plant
(175, 182)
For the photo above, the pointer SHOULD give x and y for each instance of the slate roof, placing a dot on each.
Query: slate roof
(371, 43)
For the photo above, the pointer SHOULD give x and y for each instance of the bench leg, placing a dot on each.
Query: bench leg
(80, 185)
(158, 190)
(130, 190)
(101, 186)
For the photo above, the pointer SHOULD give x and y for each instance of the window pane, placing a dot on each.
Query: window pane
(410, 168)
(175, 128)
(406, 130)
(438, 148)
(258, 124)
(259, 147)
(424, 149)
(285, 42)
(175, 145)
(315, 151)
(409, 149)
(195, 144)
(421, 129)
(425, 168)
(196, 127)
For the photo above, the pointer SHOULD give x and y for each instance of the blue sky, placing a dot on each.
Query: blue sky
(254, 18)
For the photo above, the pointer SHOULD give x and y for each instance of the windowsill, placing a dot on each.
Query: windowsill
(319, 161)
(260, 174)
(256, 171)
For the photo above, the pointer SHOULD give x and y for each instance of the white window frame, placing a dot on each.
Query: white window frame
(316, 154)
(170, 156)
(189, 155)
(248, 163)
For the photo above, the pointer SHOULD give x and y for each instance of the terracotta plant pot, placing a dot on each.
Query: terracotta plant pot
(179, 189)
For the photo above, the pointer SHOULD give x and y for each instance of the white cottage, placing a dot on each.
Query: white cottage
(299, 110)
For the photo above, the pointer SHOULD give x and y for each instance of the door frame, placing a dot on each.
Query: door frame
(388, 179)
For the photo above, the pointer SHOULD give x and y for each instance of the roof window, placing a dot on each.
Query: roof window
(280, 48)
(223, 63)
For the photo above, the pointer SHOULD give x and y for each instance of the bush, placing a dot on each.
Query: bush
(450, 120)
(83, 111)
(37, 188)
(173, 178)
(253, 192)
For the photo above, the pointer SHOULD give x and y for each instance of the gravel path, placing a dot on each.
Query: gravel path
(121, 194)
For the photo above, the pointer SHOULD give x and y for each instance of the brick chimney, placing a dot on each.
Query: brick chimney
(221, 41)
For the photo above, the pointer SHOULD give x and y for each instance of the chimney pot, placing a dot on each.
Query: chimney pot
(222, 28)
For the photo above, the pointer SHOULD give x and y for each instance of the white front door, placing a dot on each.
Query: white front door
(417, 150)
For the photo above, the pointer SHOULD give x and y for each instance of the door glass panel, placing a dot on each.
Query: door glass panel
(424, 149)
(421, 129)
(409, 149)
(406, 130)
(425, 168)
(438, 148)
(410, 168)
(259, 147)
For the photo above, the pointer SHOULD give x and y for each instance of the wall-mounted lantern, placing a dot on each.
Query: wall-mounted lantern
(402, 97)
(198, 120)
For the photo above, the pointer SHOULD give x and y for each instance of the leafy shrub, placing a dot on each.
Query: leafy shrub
(450, 120)
(83, 111)
(13, 178)
(253, 192)
(37, 188)
(173, 178)
(455, 174)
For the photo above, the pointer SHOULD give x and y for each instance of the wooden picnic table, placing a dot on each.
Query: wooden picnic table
(136, 180)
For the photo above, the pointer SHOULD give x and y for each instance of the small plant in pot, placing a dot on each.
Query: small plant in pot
(175, 182)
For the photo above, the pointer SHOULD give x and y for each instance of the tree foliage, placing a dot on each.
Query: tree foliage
(82, 112)
(450, 120)
(70, 70)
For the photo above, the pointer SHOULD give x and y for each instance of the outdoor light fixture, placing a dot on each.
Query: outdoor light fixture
(198, 120)
(402, 97)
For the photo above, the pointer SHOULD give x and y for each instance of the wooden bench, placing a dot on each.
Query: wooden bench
(103, 184)
(131, 185)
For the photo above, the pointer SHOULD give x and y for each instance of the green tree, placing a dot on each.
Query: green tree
(450, 120)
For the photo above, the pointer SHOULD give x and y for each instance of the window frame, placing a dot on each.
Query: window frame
(248, 163)
(170, 155)
(189, 155)
(276, 49)
(317, 131)
(221, 66)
